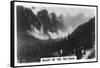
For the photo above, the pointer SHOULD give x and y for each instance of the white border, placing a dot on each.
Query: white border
(47, 5)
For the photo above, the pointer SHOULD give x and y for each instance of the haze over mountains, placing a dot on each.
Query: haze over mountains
(50, 24)
(76, 20)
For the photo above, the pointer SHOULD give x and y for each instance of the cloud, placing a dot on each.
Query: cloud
(74, 21)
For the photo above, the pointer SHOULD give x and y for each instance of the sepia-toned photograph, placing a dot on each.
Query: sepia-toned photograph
(51, 33)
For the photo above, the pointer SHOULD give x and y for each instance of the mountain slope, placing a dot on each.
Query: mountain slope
(82, 38)
(85, 33)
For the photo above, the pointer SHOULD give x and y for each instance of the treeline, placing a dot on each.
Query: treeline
(82, 38)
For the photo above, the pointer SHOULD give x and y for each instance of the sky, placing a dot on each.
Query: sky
(88, 12)
(60, 9)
